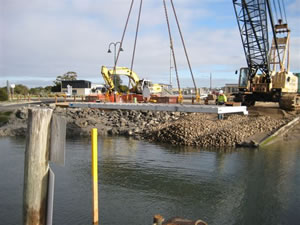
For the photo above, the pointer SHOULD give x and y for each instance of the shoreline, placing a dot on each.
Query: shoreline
(175, 128)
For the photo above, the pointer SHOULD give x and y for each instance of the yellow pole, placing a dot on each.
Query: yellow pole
(95, 174)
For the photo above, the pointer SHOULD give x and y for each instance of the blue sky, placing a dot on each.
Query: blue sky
(41, 39)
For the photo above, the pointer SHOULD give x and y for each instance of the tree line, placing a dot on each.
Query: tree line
(21, 89)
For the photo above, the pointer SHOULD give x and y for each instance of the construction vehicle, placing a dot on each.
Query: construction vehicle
(137, 84)
(267, 76)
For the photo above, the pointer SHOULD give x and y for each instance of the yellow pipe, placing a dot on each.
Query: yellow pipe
(197, 97)
(180, 97)
(95, 174)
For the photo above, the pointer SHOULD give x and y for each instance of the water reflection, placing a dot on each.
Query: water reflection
(138, 179)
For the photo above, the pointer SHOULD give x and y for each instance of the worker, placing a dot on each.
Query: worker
(222, 99)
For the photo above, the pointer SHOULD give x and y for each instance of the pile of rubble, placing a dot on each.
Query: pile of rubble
(193, 129)
(201, 130)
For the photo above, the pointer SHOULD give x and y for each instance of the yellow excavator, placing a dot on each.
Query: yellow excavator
(136, 83)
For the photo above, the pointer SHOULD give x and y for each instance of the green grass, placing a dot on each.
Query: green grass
(4, 116)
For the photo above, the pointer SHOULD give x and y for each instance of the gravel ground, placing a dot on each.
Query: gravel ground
(194, 129)
(202, 130)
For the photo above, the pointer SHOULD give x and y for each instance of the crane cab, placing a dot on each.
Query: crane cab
(243, 78)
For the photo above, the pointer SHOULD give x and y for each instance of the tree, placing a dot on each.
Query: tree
(117, 82)
(21, 89)
(3, 94)
(67, 76)
(48, 89)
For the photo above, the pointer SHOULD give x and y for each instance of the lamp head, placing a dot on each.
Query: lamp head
(109, 51)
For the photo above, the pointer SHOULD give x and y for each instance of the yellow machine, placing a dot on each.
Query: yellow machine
(136, 83)
(267, 77)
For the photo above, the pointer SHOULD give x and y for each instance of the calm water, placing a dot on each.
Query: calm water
(138, 180)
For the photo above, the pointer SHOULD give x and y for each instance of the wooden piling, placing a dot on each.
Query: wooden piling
(95, 175)
(36, 166)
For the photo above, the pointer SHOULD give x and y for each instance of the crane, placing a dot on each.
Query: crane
(267, 76)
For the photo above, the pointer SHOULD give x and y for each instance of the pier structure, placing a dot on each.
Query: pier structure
(215, 109)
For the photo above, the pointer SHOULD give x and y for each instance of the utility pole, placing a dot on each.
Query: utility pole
(171, 67)
(8, 90)
(210, 82)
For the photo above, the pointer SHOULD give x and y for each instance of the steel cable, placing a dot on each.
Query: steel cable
(171, 45)
(275, 9)
(135, 40)
(283, 5)
(125, 28)
(182, 40)
(279, 6)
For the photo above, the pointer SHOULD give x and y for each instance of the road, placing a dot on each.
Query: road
(7, 106)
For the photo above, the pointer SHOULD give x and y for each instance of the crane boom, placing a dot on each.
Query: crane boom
(252, 22)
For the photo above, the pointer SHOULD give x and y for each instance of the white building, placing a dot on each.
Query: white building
(76, 87)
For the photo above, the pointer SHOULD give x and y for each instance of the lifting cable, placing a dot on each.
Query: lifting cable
(273, 31)
(171, 44)
(279, 6)
(284, 10)
(135, 41)
(275, 9)
(186, 55)
(121, 43)
(172, 50)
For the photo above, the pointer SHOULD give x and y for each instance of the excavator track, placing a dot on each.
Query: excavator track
(290, 102)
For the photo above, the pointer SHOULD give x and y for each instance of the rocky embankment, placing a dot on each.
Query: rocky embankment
(202, 130)
(194, 129)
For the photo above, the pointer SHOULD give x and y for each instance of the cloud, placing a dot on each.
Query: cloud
(44, 39)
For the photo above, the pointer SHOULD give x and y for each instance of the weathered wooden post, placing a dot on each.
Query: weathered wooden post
(46, 134)
(36, 166)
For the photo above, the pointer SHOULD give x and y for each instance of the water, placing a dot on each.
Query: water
(139, 179)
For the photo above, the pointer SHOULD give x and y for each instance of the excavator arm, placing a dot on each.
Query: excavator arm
(108, 75)
(107, 78)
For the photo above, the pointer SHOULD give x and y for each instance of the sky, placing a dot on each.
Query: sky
(42, 39)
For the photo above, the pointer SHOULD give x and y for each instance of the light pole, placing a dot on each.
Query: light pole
(115, 58)
(12, 90)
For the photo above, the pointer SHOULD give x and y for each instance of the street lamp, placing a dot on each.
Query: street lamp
(115, 55)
